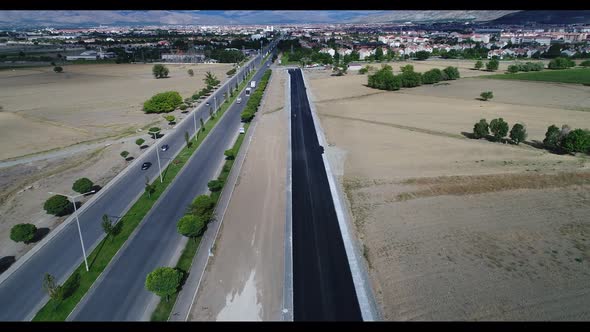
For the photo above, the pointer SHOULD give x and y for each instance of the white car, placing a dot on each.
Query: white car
(242, 130)
(239, 100)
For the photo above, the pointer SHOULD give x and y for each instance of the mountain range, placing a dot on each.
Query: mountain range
(89, 18)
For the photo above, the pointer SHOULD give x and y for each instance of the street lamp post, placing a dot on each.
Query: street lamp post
(195, 120)
(73, 198)
(215, 103)
(159, 166)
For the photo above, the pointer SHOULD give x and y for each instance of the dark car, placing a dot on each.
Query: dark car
(164, 147)
(321, 149)
(146, 165)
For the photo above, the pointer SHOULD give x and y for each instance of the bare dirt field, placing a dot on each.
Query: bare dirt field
(43, 110)
(85, 102)
(455, 228)
(244, 280)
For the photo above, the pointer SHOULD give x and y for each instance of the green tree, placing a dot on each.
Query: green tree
(422, 55)
(23, 233)
(432, 76)
(478, 64)
(499, 128)
(187, 139)
(58, 69)
(58, 205)
(215, 185)
(149, 189)
(107, 227)
(190, 226)
(561, 63)
(513, 69)
(202, 124)
(210, 79)
(160, 71)
(493, 65)
(552, 137)
(577, 140)
(585, 63)
(54, 290)
(163, 281)
(202, 206)
(124, 154)
(82, 185)
(411, 79)
(139, 142)
(486, 95)
(481, 129)
(154, 131)
(451, 73)
(170, 118)
(191, 73)
(230, 154)
(407, 68)
(379, 54)
(518, 133)
(163, 102)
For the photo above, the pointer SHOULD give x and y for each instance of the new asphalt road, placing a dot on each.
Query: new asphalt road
(21, 293)
(323, 288)
(120, 293)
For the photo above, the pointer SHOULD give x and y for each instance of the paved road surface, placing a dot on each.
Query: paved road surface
(21, 292)
(323, 288)
(120, 293)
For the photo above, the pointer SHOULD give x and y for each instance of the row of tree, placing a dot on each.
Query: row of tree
(526, 67)
(255, 98)
(499, 130)
(384, 79)
(491, 65)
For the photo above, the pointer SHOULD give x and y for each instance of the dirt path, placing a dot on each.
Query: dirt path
(244, 280)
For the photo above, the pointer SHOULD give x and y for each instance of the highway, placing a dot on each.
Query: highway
(120, 293)
(323, 288)
(21, 292)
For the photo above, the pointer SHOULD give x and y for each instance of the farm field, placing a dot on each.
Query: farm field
(573, 75)
(455, 228)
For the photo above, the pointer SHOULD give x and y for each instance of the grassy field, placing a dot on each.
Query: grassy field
(80, 281)
(575, 75)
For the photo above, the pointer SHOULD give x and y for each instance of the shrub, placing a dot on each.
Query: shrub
(452, 73)
(190, 226)
(363, 70)
(518, 133)
(513, 69)
(585, 63)
(139, 141)
(58, 205)
(215, 185)
(422, 55)
(23, 233)
(153, 131)
(247, 116)
(493, 65)
(159, 71)
(561, 63)
(411, 79)
(82, 185)
(481, 129)
(478, 65)
(163, 281)
(163, 102)
(230, 154)
(58, 69)
(486, 95)
(432, 76)
(190, 72)
(202, 206)
(577, 140)
(124, 154)
(384, 79)
(406, 68)
(499, 128)
(231, 72)
(183, 107)
(552, 137)
(169, 118)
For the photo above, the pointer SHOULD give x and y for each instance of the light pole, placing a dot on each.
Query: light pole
(159, 166)
(215, 103)
(195, 119)
(77, 220)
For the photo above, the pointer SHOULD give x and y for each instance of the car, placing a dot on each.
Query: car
(239, 100)
(207, 103)
(146, 165)
(268, 64)
(164, 147)
(242, 130)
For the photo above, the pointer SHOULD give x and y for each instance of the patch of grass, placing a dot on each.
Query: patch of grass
(164, 308)
(574, 75)
(478, 184)
(106, 249)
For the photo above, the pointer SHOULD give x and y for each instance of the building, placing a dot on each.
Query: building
(184, 58)
(328, 51)
(92, 55)
(354, 66)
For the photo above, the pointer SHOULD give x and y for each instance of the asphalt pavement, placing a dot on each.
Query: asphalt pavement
(323, 288)
(21, 292)
(120, 293)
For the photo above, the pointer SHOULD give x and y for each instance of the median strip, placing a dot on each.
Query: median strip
(80, 281)
(164, 308)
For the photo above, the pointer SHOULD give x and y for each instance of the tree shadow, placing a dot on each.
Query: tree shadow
(129, 158)
(96, 188)
(71, 285)
(184, 277)
(39, 234)
(97, 253)
(143, 147)
(468, 135)
(6, 262)
(480, 99)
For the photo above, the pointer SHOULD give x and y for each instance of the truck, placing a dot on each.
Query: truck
(247, 92)
(253, 84)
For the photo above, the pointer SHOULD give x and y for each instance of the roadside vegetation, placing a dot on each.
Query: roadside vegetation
(163, 102)
(58, 309)
(384, 79)
(255, 99)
